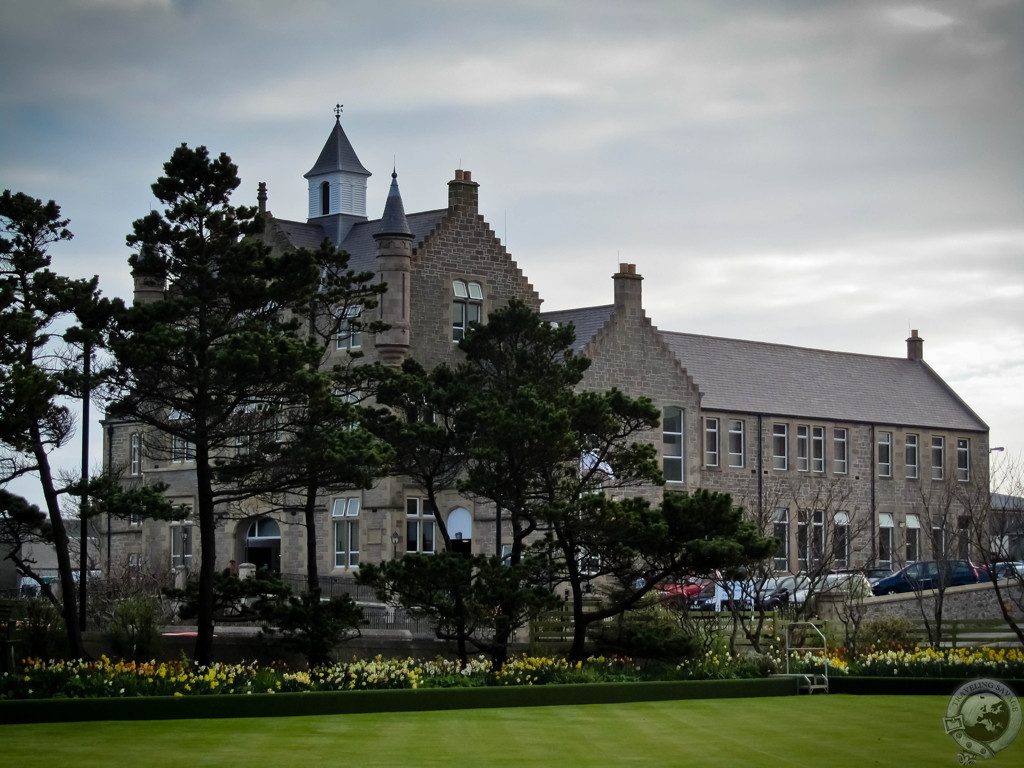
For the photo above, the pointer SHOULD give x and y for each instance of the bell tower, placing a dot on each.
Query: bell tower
(337, 185)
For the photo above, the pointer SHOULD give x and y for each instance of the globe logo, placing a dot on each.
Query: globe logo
(983, 717)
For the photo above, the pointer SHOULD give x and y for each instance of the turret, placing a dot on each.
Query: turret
(337, 185)
(394, 265)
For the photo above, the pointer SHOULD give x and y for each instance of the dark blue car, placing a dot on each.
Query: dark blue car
(928, 574)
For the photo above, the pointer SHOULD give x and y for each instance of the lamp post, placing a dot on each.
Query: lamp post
(396, 539)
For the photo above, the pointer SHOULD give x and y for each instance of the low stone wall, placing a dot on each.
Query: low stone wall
(971, 602)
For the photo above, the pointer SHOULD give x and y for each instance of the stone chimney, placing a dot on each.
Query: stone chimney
(915, 346)
(628, 292)
(261, 197)
(462, 192)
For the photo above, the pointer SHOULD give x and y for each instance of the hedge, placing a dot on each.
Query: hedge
(355, 702)
(907, 686)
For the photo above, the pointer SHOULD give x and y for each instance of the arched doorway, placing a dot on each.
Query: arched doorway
(460, 529)
(263, 544)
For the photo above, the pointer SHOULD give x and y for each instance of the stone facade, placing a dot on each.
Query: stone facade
(833, 452)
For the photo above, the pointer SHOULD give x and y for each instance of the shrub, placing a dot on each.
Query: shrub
(648, 632)
(133, 630)
(41, 631)
(888, 633)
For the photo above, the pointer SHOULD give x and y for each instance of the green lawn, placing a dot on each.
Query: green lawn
(833, 731)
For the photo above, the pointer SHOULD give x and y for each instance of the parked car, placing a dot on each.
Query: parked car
(927, 574)
(679, 593)
(1009, 569)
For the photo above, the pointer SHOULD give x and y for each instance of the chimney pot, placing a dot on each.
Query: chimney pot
(467, 175)
(460, 175)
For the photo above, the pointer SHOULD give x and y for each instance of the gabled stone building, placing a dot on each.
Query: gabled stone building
(820, 446)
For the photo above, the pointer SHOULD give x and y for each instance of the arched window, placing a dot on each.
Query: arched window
(325, 198)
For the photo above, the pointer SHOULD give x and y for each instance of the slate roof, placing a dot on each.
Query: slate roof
(588, 322)
(337, 155)
(359, 242)
(393, 222)
(754, 376)
(759, 377)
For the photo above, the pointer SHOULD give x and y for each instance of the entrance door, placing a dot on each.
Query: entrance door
(263, 544)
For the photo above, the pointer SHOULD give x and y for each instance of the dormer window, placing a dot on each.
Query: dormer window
(325, 198)
(467, 306)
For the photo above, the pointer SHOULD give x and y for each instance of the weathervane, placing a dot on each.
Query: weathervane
(337, 111)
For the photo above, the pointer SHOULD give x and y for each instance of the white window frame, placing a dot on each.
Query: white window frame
(803, 448)
(912, 455)
(963, 459)
(711, 442)
(737, 439)
(938, 457)
(780, 529)
(420, 527)
(135, 454)
(345, 514)
(884, 443)
(885, 539)
(780, 439)
(675, 458)
(467, 306)
(913, 538)
(840, 450)
(349, 337)
(818, 449)
(841, 539)
(810, 538)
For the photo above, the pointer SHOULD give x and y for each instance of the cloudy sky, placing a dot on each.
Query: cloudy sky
(804, 172)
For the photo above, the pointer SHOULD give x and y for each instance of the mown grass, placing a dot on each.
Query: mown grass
(834, 731)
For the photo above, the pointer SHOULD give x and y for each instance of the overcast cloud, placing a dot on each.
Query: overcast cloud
(810, 173)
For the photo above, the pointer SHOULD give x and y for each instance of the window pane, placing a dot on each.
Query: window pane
(428, 536)
(673, 420)
(412, 535)
(459, 289)
(475, 292)
(472, 313)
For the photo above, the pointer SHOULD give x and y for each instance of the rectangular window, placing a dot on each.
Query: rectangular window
(841, 540)
(350, 335)
(736, 443)
(963, 460)
(672, 444)
(839, 447)
(419, 526)
(939, 543)
(181, 546)
(781, 532)
(711, 442)
(913, 538)
(885, 454)
(346, 532)
(182, 450)
(911, 456)
(817, 449)
(938, 457)
(810, 538)
(134, 518)
(780, 446)
(135, 454)
(885, 540)
(802, 448)
(467, 306)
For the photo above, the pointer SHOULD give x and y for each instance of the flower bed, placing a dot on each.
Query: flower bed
(105, 678)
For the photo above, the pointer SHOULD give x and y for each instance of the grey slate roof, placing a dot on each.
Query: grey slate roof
(588, 322)
(758, 377)
(337, 155)
(359, 243)
(393, 222)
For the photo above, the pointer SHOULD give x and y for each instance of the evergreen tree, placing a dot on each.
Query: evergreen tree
(36, 377)
(220, 339)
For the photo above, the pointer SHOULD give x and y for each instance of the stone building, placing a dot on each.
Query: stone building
(839, 455)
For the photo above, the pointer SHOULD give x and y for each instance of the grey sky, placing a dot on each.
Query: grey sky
(811, 173)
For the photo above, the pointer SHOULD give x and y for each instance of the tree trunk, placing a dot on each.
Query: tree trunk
(83, 508)
(208, 556)
(312, 571)
(61, 545)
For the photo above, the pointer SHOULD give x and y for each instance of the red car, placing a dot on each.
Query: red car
(679, 592)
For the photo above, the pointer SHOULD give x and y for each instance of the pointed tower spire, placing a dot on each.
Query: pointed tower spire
(393, 222)
(394, 265)
(337, 181)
